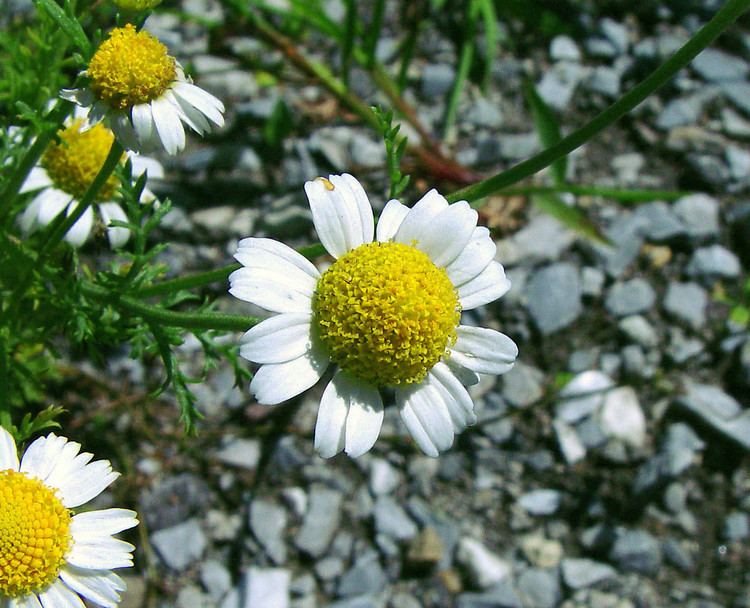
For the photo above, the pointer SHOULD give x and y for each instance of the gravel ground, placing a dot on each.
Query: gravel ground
(609, 468)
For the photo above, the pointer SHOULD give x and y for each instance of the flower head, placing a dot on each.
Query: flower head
(66, 171)
(48, 554)
(386, 312)
(142, 93)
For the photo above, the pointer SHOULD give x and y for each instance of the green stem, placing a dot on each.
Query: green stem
(627, 196)
(187, 320)
(703, 38)
(198, 279)
(32, 156)
(464, 64)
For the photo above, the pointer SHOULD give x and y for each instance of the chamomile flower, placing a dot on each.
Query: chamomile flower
(50, 556)
(65, 172)
(143, 94)
(386, 312)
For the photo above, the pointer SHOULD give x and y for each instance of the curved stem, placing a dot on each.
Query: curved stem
(622, 195)
(187, 320)
(199, 279)
(704, 37)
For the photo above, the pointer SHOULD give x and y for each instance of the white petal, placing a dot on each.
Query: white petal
(103, 553)
(8, 452)
(42, 455)
(141, 164)
(143, 122)
(99, 586)
(192, 116)
(465, 376)
(29, 601)
(122, 127)
(250, 249)
(483, 350)
(487, 287)
(365, 418)
(419, 216)
(390, 220)
(80, 231)
(448, 233)
(274, 290)
(277, 382)
(427, 418)
(104, 522)
(456, 397)
(52, 202)
(59, 595)
(201, 100)
(168, 125)
(475, 257)
(28, 221)
(330, 427)
(341, 213)
(36, 179)
(278, 339)
(117, 235)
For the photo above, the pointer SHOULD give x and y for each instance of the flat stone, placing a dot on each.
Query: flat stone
(616, 33)
(559, 83)
(366, 576)
(484, 113)
(500, 595)
(542, 552)
(737, 526)
(384, 477)
(583, 395)
(638, 329)
(716, 66)
(675, 554)
(626, 239)
(523, 385)
(181, 545)
(738, 93)
(265, 587)
(542, 239)
(243, 453)
(739, 162)
(687, 302)
(215, 578)
(539, 588)
(631, 297)
(427, 548)
(268, 522)
(320, 523)
(437, 79)
(680, 112)
(622, 417)
(636, 551)
(714, 262)
(592, 281)
(605, 81)
(554, 297)
(570, 444)
(541, 502)
(583, 573)
(564, 48)
(717, 409)
(699, 213)
(661, 223)
(484, 567)
(392, 520)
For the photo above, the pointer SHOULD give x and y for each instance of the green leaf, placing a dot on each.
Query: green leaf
(67, 23)
(571, 217)
(547, 127)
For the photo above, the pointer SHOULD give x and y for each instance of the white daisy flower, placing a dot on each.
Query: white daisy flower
(387, 312)
(50, 557)
(65, 172)
(143, 94)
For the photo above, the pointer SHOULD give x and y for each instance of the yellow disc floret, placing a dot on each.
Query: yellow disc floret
(386, 313)
(34, 534)
(73, 162)
(130, 68)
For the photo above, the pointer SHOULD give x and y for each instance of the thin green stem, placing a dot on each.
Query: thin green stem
(192, 281)
(30, 159)
(464, 64)
(703, 38)
(152, 313)
(373, 31)
(625, 196)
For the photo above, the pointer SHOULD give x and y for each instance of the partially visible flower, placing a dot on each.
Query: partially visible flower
(387, 312)
(65, 172)
(49, 556)
(136, 5)
(143, 94)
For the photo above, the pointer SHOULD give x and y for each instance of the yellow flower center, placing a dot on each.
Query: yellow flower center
(386, 313)
(73, 162)
(130, 68)
(34, 534)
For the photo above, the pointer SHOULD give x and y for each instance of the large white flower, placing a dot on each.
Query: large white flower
(142, 93)
(65, 172)
(387, 312)
(50, 557)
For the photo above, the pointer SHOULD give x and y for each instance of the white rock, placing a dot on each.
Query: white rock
(622, 417)
(485, 567)
(267, 587)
